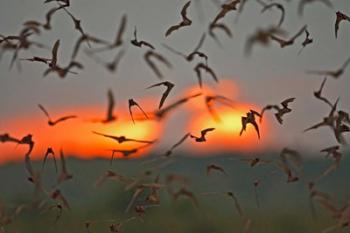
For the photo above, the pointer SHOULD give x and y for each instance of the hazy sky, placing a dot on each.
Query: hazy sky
(269, 75)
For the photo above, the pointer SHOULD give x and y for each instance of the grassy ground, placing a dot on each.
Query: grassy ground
(284, 208)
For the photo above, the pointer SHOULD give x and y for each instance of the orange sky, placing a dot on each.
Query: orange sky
(75, 137)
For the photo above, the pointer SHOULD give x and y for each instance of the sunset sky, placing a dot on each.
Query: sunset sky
(268, 76)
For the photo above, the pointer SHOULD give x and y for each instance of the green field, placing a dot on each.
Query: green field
(284, 208)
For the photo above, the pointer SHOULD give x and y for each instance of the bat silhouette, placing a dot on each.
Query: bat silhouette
(7, 138)
(226, 8)
(140, 43)
(169, 86)
(184, 23)
(280, 111)
(308, 40)
(202, 138)
(54, 122)
(27, 140)
(340, 18)
(77, 25)
(250, 119)
(318, 93)
(122, 139)
(133, 103)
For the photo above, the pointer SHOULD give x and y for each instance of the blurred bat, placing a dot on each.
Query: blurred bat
(261, 36)
(148, 58)
(288, 42)
(66, 3)
(118, 39)
(48, 18)
(290, 177)
(7, 138)
(28, 165)
(64, 175)
(51, 122)
(190, 57)
(318, 94)
(303, 3)
(49, 152)
(121, 139)
(256, 184)
(232, 196)
(279, 7)
(340, 17)
(215, 167)
(290, 154)
(173, 147)
(207, 69)
(184, 23)
(57, 195)
(255, 161)
(328, 120)
(333, 73)
(223, 27)
(169, 86)
(111, 66)
(184, 192)
(161, 113)
(127, 153)
(209, 102)
(202, 138)
(110, 116)
(336, 155)
(85, 38)
(136, 194)
(110, 175)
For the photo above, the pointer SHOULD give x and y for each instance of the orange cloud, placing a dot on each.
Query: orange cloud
(75, 136)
